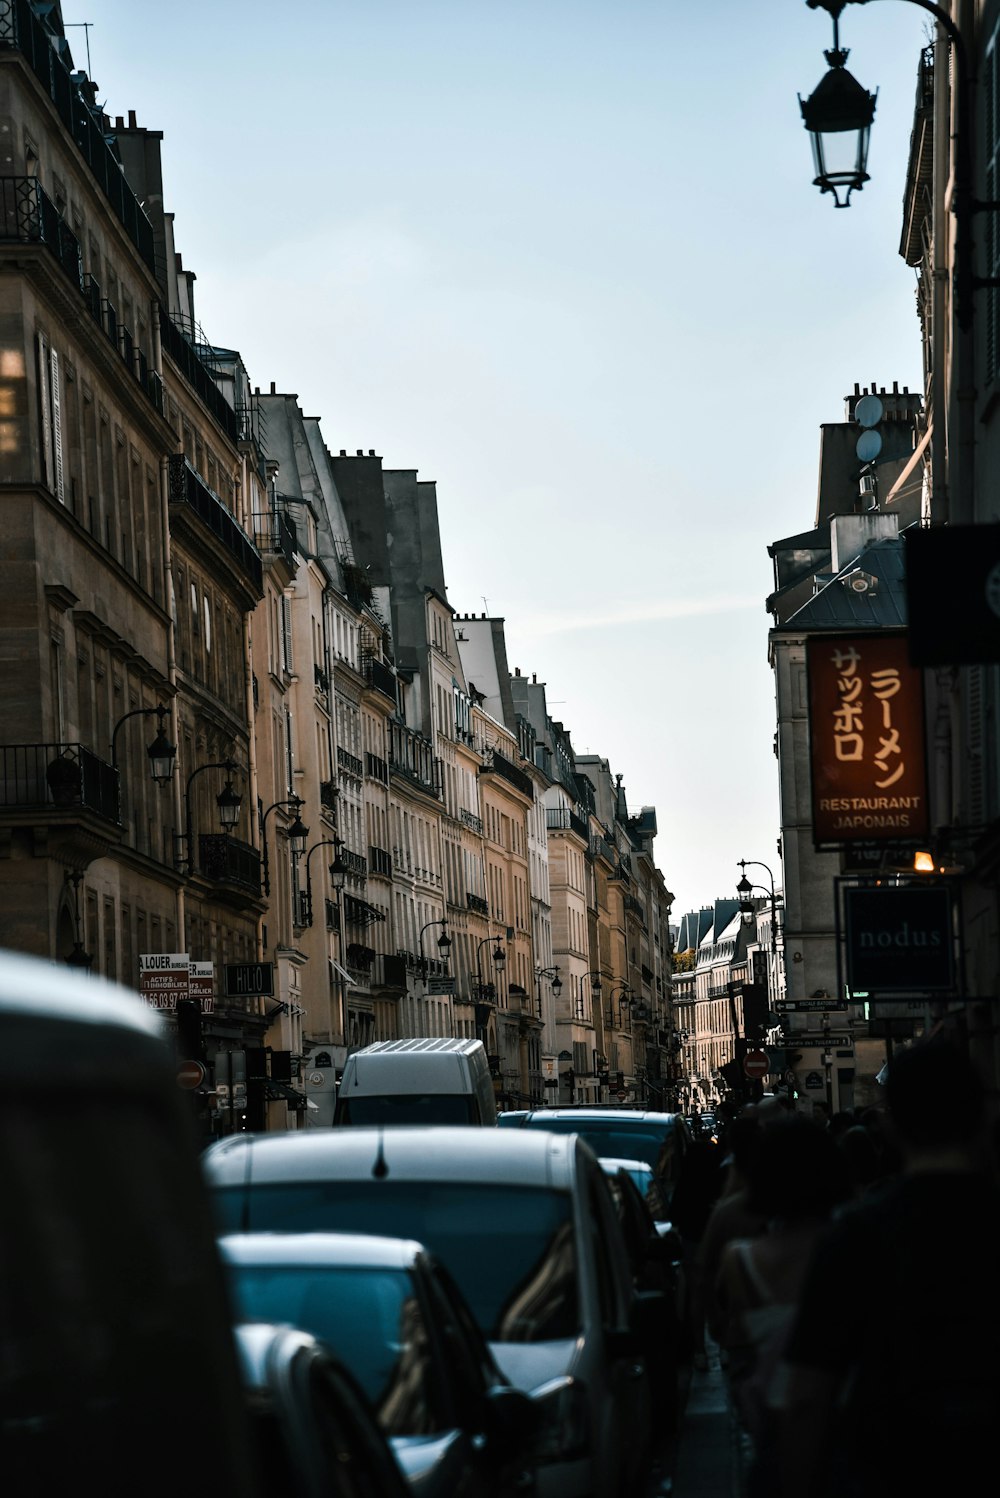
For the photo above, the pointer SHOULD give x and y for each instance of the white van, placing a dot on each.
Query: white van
(417, 1082)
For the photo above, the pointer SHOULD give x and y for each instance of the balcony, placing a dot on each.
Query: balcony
(328, 794)
(376, 768)
(58, 776)
(321, 679)
(359, 956)
(189, 491)
(379, 863)
(24, 31)
(499, 764)
(275, 536)
(561, 819)
(361, 912)
(470, 820)
(228, 861)
(354, 863)
(349, 763)
(477, 903)
(198, 375)
(379, 676)
(412, 756)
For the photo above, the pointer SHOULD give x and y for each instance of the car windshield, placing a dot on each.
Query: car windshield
(510, 1248)
(406, 1108)
(609, 1137)
(371, 1317)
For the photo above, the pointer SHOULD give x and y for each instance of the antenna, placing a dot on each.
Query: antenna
(380, 1169)
(86, 25)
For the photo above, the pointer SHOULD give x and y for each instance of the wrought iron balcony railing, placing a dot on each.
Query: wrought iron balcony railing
(376, 768)
(187, 488)
(349, 762)
(411, 755)
(328, 795)
(354, 863)
(22, 29)
(198, 375)
(275, 536)
(561, 819)
(470, 820)
(380, 862)
(58, 775)
(499, 764)
(379, 676)
(477, 903)
(228, 861)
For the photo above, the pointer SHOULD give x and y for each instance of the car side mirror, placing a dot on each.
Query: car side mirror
(510, 1417)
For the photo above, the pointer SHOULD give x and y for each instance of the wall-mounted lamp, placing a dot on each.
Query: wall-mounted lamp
(78, 957)
(296, 833)
(338, 876)
(443, 943)
(228, 801)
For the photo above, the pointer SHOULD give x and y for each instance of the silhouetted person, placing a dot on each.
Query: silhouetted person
(798, 1176)
(894, 1378)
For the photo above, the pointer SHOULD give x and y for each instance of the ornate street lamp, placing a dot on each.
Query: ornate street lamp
(338, 875)
(228, 801)
(443, 942)
(838, 116)
(297, 835)
(548, 972)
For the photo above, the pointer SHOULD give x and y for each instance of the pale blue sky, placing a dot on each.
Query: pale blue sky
(564, 257)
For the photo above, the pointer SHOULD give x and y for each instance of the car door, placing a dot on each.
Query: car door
(625, 1418)
(498, 1416)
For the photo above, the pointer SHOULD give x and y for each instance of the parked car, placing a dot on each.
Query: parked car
(119, 1366)
(418, 1081)
(526, 1223)
(314, 1434)
(659, 1139)
(455, 1423)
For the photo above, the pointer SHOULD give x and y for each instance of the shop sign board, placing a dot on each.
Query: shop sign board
(164, 977)
(899, 939)
(866, 737)
(201, 985)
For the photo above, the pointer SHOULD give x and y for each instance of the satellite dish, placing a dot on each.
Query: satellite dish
(869, 446)
(868, 411)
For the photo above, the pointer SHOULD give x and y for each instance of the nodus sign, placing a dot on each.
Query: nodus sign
(900, 940)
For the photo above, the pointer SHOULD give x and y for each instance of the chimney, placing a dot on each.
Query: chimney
(343, 452)
(131, 120)
(273, 391)
(361, 452)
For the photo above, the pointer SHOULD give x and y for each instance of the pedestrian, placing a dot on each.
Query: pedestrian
(731, 1217)
(893, 1376)
(798, 1176)
(698, 1185)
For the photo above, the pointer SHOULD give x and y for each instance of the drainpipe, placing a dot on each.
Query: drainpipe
(178, 778)
(940, 235)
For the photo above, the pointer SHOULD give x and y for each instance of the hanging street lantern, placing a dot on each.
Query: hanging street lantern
(838, 116)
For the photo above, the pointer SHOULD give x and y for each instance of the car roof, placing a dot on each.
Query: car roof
(611, 1164)
(333, 1250)
(422, 1045)
(612, 1115)
(465, 1153)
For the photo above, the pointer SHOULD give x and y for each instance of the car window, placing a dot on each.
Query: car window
(511, 1249)
(466, 1349)
(371, 1317)
(407, 1108)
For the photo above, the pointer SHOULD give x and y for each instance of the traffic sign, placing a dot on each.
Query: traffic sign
(190, 1074)
(622, 1095)
(756, 1064)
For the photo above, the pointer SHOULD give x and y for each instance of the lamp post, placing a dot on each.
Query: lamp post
(228, 801)
(443, 942)
(162, 753)
(297, 834)
(548, 972)
(625, 1001)
(745, 889)
(78, 957)
(965, 282)
(338, 875)
(499, 961)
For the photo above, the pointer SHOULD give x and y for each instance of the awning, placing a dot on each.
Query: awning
(274, 1092)
(341, 970)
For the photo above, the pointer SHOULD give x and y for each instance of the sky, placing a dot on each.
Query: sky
(565, 258)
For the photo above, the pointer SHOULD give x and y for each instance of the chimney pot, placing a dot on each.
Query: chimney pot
(371, 452)
(361, 452)
(895, 387)
(273, 391)
(132, 120)
(119, 122)
(343, 452)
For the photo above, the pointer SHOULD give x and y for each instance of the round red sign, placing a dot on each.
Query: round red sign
(190, 1074)
(756, 1064)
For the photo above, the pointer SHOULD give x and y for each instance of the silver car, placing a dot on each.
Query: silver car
(526, 1224)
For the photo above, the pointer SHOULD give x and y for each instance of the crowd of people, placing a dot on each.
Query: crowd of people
(846, 1272)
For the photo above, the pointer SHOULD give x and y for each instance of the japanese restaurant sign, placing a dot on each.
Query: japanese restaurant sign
(866, 732)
